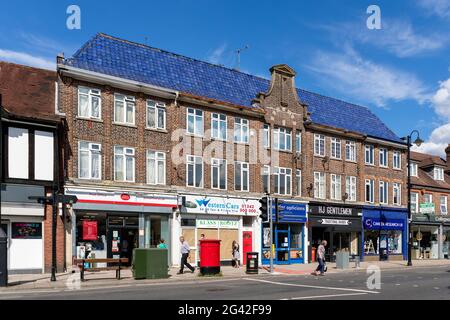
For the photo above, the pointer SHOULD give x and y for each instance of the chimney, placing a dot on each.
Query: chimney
(447, 152)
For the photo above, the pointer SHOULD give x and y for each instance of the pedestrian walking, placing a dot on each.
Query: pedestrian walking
(185, 250)
(321, 259)
(236, 254)
(162, 244)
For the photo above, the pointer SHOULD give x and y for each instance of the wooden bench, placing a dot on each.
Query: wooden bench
(117, 265)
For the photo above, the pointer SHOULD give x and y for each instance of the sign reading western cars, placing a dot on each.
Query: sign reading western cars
(329, 210)
(221, 206)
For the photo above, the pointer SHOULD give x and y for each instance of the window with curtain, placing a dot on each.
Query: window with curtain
(124, 108)
(156, 115)
(350, 188)
(156, 168)
(336, 187)
(124, 164)
(319, 185)
(89, 155)
(89, 103)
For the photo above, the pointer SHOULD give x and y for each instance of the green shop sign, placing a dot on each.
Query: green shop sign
(427, 208)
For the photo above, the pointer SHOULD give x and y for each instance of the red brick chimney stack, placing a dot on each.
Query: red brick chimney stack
(447, 152)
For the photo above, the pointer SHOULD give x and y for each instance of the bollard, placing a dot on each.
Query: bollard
(3, 259)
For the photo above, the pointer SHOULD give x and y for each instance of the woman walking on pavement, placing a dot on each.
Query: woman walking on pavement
(236, 254)
(320, 271)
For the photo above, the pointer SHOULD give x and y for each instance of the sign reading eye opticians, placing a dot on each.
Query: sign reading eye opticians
(335, 211)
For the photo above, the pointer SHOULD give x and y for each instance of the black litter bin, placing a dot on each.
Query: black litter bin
(252, 262)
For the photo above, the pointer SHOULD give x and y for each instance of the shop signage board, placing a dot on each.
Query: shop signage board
(21, 230)
(336, 222)
(426, 208)
(221, 206)
(90, 229)
(331, 210)
(378, 224)
(217, 224)
(290, 212)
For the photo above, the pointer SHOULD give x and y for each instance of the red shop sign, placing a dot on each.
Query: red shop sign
(125, 197)
(90, 230)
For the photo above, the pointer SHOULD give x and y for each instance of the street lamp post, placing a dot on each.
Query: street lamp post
(3, 236)
(418, 142)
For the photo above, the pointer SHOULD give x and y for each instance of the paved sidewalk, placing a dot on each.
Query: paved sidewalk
(70, 281)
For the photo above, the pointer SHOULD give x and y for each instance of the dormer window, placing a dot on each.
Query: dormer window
(438, 173)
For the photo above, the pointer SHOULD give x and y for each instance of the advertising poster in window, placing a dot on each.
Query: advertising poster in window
(90, 230)
(21, 230)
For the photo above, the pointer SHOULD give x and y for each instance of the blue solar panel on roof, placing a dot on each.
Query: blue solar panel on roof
(120, 58)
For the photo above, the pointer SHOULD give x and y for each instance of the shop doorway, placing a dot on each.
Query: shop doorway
(318, 235)
(247, 244)
(123, 237)
(282, 240)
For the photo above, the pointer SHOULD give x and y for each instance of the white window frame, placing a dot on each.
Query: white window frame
(414, 172)
(350, 151)
(128, 152)
(425, 198)
(194, 113)
(215, 165)
(438, 174)
(320, 187)
(336, 187)
(397, 187)
(158, 157)
(397, 157)
(245, 167)
(266, 136)
(336, 148)
(383, 192)
(371, 184)
(278, 133)
(298, 182)
(92, 93)
(298, 142)
(241, 130)
(217, 118)
(192, 160)
(350, 188)
(443, 204)
(91, 149)
(415, 204)
(127, 101)
(369, 151)
(277, 173)
(383, 157)
(319, 145)
(157, 108)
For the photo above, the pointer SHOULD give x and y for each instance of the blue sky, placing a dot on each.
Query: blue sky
(401, 72)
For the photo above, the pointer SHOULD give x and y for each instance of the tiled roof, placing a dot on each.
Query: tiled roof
(120, 58)
(424, 178)
(28, 91)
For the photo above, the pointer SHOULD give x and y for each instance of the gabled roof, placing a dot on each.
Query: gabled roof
(28, 91)
(132, 61)
(424, 178)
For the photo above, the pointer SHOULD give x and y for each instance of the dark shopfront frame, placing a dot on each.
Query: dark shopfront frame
(334, 219)
(383, 220)
(292, 216)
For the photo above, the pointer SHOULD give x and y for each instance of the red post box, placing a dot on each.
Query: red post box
(209, 257)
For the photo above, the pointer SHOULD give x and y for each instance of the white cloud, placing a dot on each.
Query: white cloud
(216, 56)
(366, 80)
(27, 59)
(440, 137)
(440, 8)
(400, 38)
(438, 141)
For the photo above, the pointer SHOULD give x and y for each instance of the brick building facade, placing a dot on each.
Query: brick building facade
(315, 153)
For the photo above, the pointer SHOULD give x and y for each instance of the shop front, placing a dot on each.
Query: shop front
(445, 236)
(289, 234)
(219, 218)
(339, 225)
(385, 233)
(110, 224)
(22, 221)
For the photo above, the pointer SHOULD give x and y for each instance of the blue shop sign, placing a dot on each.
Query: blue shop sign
(290, 212)
(379, 224)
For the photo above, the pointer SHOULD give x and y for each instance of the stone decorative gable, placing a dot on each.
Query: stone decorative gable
(281, 103)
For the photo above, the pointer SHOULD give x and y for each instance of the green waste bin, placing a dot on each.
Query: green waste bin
(150, 264)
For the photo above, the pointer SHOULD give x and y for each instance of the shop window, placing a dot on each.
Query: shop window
(227, 236)
(371, 245)
(296, 240)
(188, 223)
(20, 230)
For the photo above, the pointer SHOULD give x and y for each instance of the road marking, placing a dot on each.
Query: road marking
(309, 286)
(415, 286)
(397, 284)
(437, 288)
(329, 296)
